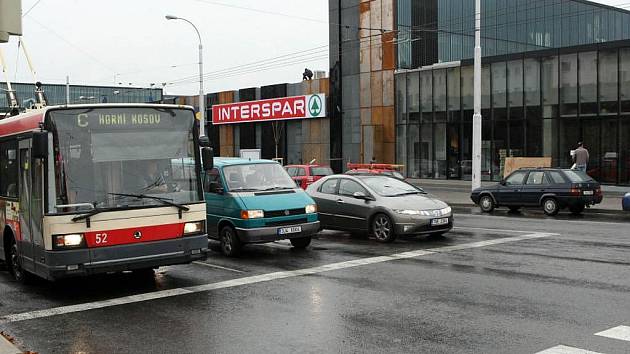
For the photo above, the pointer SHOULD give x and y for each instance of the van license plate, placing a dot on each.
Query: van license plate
(588, 192)
(437, 222)
(290, 230)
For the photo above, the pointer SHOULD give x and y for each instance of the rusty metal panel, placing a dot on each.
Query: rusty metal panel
(365, 95)
(389, 126)
(388, 88)
(377, 88)
(377, 115)
(388, 50)
(314, 84)
(324, 86)
(366, 116)
(376, 52)
(226, 137)
(387, 14)
(389, 152)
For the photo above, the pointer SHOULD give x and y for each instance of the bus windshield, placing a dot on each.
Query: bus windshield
(102, 155)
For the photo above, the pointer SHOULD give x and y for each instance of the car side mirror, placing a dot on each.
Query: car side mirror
(361, 195)
(213, 187)
(207, 157)
(39, 147)
(503, 182)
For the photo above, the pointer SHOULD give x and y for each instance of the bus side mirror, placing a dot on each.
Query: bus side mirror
(39, 148)
(207, 157)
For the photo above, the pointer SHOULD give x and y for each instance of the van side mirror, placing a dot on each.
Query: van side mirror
(39, 149)
(204, 141)
(503, 182)
(207, 157)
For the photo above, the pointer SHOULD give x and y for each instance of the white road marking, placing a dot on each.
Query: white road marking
(256, 279)
(563, 349)
(218, 267)
(488, 229)
(620, 332)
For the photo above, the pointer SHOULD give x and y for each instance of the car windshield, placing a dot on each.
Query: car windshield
(389, 186)
(578, 176)
(104, 154)
(257, 177)
(321, 171)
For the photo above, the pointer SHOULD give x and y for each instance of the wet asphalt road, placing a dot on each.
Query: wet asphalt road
(514, 284)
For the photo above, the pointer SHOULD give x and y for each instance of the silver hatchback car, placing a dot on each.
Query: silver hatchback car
(383, 206)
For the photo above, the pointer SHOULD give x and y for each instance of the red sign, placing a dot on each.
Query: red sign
(296, 107)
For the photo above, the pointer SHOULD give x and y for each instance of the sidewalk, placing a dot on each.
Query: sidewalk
(457, 193)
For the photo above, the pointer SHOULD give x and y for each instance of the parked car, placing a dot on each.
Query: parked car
(625, 203)
(304, 175)
(550, 188)
(384, 169)
(255, 201)
(383, 206)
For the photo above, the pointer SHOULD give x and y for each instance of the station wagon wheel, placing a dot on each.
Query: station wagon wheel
(383, 229)
(230, 244)
(486, 203)
(550, 206)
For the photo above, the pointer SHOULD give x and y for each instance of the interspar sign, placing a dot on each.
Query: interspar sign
(296, 107)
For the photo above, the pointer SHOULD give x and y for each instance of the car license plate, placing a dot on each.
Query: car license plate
(289, 230)
(588, 192)
(437, 222)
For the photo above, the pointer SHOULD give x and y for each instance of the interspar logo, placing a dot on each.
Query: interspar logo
(296, 107)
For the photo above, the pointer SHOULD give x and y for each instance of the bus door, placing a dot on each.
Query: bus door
(31, 243)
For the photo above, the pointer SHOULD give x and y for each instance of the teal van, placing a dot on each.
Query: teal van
(255, 201)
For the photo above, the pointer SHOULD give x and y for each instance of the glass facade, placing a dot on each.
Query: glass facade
(507, 26)
(537, 104)
(56, 94)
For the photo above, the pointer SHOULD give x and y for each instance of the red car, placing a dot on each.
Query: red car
(376, 169)
(304, 175)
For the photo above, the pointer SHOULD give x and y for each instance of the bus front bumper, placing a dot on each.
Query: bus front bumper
(88, 261)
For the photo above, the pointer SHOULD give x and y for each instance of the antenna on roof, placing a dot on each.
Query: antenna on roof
(312, 161)
(40, 96)
(14, 106)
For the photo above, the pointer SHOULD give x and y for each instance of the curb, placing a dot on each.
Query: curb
(7, 346)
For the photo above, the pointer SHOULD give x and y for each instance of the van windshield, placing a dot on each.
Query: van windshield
(257, 177)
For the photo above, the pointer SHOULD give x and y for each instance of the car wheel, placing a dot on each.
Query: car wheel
(15, 265)
(301, 242)
(230, 244)
(383, 229)
(486, 204)
(577, 209)
(550, 206)
(515, 209)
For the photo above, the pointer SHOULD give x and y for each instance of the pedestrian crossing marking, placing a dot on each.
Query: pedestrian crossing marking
(619, 332)
(563, 349)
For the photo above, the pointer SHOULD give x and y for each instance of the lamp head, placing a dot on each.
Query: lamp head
(171, 17)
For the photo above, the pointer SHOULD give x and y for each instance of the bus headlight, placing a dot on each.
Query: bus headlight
(310, 209)
(68, 241)
(252, 214)
(193, 228)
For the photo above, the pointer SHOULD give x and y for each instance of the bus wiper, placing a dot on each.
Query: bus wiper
(88, 215)
(164, 201)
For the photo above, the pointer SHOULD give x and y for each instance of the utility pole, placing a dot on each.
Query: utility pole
(67, 89)
(476, 148)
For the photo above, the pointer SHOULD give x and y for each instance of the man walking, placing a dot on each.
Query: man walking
(580, 157)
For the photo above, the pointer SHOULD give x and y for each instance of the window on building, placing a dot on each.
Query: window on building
(568, 85)
(467, 85)
(588, 83)
(439, 95)
(624, 77)
(401, 98)
(426, 94)
(515, 83)
(549, 86)
(609, 152)
(608, 72)
(499, 89)
(413, 151)
(8, 169)
(413, 97)
(454, 87)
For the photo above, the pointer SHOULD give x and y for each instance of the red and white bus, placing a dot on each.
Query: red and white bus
(88, 189)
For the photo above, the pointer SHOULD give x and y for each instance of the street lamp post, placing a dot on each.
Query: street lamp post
(202, 109)
(476, 148)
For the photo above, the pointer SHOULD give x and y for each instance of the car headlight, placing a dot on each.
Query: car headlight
(193, 228)
(446, 211)
(68, 241)
(252, 214)
(412, 212)
(310, 209)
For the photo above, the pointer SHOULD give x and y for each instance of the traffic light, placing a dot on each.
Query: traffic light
(10, 19)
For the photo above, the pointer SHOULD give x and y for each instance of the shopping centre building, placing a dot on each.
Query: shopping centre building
(400, 89)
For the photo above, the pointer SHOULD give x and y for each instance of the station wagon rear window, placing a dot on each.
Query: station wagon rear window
(577, 176)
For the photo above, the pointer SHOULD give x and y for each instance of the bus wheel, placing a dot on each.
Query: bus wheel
(230, 244)
(15, 264)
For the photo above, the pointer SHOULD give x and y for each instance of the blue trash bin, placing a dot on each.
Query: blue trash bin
(626, 202)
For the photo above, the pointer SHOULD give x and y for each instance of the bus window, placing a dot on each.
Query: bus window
(8, 169)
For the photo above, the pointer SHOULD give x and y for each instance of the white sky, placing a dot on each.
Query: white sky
(129, 41)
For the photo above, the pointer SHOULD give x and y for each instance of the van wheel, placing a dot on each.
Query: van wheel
(383, 229)
(486, 204)
(550, 206)
(230, 244)
(301, 243)
(15, 265)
